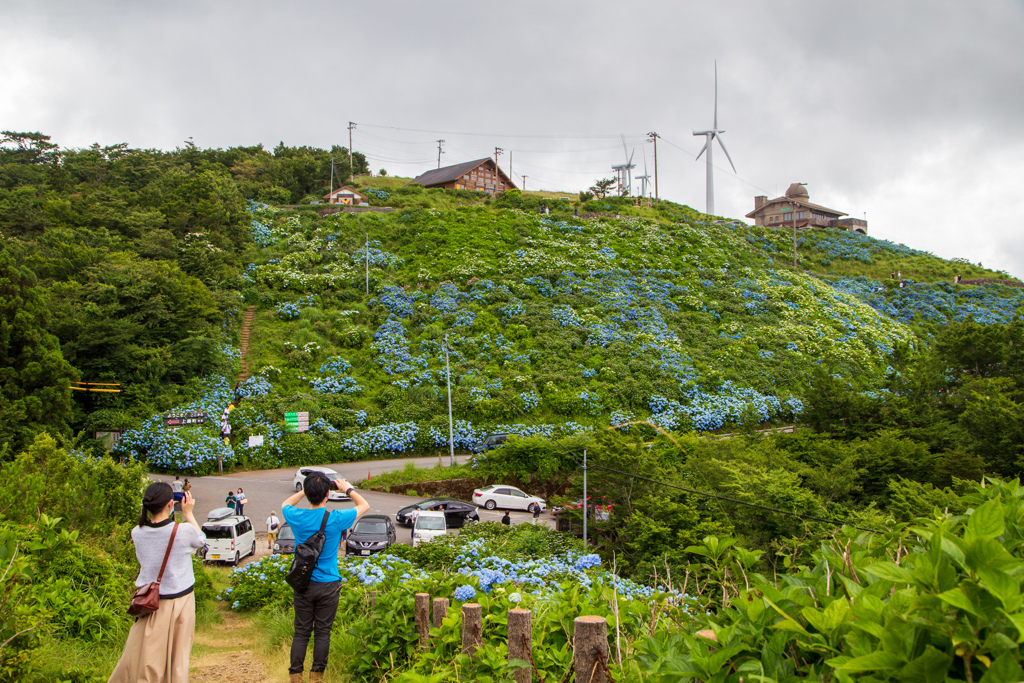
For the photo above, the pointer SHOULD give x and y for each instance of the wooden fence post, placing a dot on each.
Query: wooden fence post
(472, 635)
(590, 649)
(423, 618)
(440, 611)
(520, 634)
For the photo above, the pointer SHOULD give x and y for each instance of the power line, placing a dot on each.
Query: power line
(504, 135)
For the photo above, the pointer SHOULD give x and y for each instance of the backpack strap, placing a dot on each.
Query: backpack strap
(323, 524)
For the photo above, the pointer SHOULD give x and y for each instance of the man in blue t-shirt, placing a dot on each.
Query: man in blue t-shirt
(316, 606)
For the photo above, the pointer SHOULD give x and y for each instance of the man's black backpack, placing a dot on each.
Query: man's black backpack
(306, 555)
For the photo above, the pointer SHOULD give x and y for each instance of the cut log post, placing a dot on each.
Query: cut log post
(423, 618)
(472, 634)
(440, 611)
(520, 634)
(590, 649)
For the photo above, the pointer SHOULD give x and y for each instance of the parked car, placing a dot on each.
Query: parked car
(304, 472)
(371, 534)
(600, 508)
(285, 543)
(492, 441)
(229, 537)
(429, 525)
(457, 513)
(498, 496)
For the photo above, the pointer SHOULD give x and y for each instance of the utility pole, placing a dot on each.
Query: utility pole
(524, 183)
(793, 202)
(332, 181)
(448, 379)
(510, 175)
(497, 151)
(439, 152)
(367, 263)
(654, 138)
(586, 505)
(351, 168)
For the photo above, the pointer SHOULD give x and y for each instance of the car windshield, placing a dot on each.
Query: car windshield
(214, 532)
(286, 532)
(329, 475)
(430, 523)
(370, 527)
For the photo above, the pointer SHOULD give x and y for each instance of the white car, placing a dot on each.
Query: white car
(229, 537)
(304, 472)
(429, 525)
(498, 496)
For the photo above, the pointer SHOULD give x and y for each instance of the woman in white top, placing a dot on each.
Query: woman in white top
(159, 644)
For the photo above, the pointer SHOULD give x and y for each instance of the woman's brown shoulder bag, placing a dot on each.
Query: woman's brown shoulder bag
(147, 599)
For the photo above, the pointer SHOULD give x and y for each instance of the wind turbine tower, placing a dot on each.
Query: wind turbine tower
(711, 135)
(644, 178)
(624, 172)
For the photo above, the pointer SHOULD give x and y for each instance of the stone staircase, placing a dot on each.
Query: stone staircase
(247, 324)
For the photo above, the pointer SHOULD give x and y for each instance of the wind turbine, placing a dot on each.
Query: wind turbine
(711, 135)
(625, 175)
(644, 178)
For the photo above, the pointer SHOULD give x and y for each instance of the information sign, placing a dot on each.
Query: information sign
(173, 421)
(296, 422)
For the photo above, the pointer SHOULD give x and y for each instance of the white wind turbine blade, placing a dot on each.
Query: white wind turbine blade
(716, 96)
(630, 162)
(722, 145)
(701, 150)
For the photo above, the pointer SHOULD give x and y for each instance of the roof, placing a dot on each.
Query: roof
(447, 174)
(340, 189)
(797, 202)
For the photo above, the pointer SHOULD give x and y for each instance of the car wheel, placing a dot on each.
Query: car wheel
(298, 486)
(253, 551)
(237, 558)
(530, 507)
(490, 505)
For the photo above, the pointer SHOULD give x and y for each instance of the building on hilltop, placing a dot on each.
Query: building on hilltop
(779, 212)
(482, 175)
(347, 196)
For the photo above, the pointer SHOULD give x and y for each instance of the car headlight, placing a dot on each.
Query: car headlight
(277, 546)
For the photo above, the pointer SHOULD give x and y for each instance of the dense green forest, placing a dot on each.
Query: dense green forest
(641, 334)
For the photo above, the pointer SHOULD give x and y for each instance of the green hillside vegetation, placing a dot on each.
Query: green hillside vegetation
(135, 267)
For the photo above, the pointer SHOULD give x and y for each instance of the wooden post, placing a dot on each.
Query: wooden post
(472, 635)
(520, 634)
(440, 611)
(590, 649)
(423, 618)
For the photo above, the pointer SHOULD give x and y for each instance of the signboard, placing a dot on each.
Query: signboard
(173, 421)
(296, 422)
(255, 441)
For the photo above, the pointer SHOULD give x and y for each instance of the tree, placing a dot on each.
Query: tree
(602, 187)
(34, 377)
(586, 196)
(382, 172)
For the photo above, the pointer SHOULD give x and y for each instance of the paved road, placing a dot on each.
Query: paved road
(267, 489)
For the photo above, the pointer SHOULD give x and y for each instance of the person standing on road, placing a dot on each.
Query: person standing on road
(159, 644)
(316, 606)
(273, 523)
(177, 488)
(230, 500)
(507, 519)
(413, 516)
(239, 501)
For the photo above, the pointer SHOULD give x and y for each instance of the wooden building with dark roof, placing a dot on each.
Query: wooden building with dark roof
(794, 209)
(482, 175)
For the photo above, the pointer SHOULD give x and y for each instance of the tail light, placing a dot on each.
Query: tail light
(477, 494)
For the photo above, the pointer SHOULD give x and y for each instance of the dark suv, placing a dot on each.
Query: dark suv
(491, 442)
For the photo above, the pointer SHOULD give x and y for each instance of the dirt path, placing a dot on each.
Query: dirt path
(247, 325)
(225, 653)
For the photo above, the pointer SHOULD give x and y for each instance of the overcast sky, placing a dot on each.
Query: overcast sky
(911, 112)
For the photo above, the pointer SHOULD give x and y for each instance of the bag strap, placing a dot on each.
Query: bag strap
(174, 530)
(323, 524)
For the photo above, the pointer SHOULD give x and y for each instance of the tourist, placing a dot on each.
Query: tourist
(316, 606)
(273, 524)
(506, 520)
(159, 644)
(178, 490)
(230, 500)
(240, 501)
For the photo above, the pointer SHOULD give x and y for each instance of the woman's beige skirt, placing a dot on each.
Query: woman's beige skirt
(159, 645)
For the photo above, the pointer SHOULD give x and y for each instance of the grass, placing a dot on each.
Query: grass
(410, 474)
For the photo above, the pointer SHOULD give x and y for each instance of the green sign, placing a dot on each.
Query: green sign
(296, 422)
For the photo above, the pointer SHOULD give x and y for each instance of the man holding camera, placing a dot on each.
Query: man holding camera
(316, 606)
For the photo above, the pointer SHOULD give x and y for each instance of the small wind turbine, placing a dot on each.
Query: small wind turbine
(713, 134)
(644, 178)
(624, 171)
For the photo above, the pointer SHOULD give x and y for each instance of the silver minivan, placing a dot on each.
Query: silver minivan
(229, 537)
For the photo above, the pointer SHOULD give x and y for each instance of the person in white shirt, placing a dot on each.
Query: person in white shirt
(273, 524)
(413, 516)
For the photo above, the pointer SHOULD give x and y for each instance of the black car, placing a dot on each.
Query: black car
(456, 512)
(285, 543)
(491, 441)
(371, 534)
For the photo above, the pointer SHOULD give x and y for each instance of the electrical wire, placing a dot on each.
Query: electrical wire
(505, 135)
